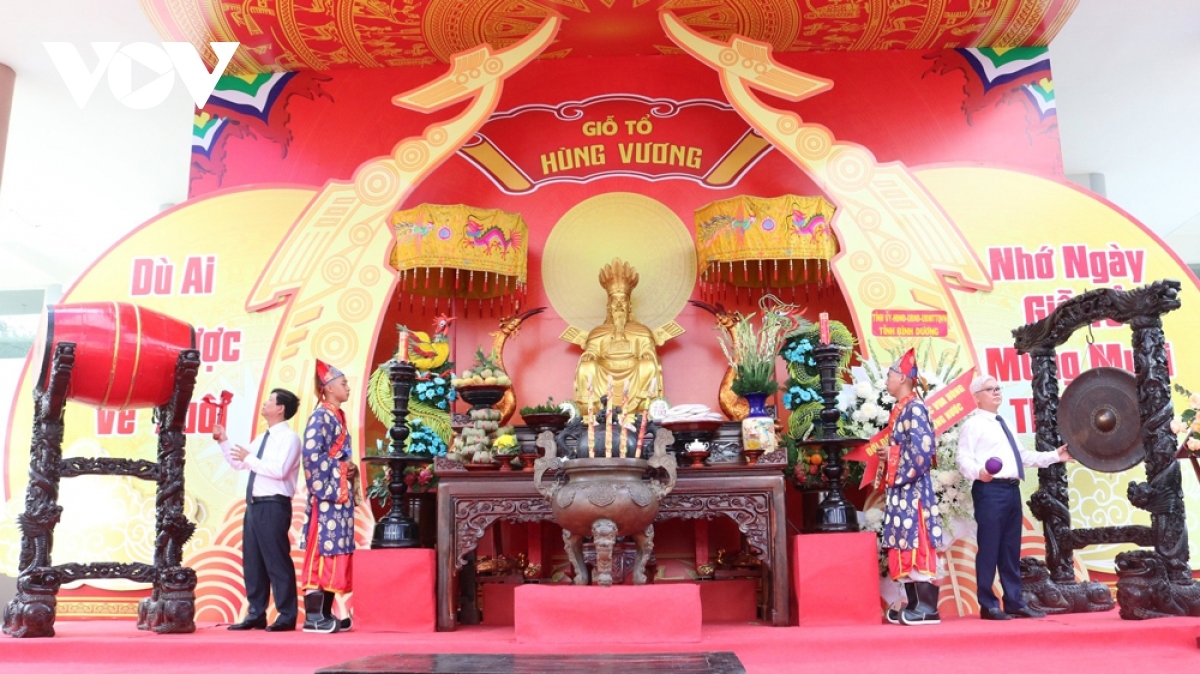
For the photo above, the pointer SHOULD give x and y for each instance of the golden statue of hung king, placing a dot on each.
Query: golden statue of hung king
(620, 356)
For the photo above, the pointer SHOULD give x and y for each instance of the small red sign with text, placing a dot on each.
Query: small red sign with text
(908, 323)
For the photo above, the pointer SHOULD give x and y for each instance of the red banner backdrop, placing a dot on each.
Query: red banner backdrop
(910, 106)
(566, 131)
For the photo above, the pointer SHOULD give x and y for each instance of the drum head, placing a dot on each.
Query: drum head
(1098, 417)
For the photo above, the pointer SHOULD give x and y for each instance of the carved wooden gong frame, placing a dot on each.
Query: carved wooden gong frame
(1161, 495)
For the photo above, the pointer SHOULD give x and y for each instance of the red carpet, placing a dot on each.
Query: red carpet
(1080, 644)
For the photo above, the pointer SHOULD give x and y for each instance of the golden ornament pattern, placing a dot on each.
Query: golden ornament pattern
(283, 35)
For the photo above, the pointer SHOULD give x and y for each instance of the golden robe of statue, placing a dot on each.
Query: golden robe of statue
(621, 351)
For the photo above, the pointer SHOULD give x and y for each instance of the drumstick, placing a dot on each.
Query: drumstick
(221, 406)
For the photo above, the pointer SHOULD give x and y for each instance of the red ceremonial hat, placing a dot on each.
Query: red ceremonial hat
(326, 373)
(907, 365)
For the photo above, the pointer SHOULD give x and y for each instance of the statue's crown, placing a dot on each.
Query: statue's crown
(618, 277)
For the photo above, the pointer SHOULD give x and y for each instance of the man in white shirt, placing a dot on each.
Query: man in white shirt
(266, 550)
(985, 438)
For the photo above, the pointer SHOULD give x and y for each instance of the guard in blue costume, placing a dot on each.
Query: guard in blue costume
(912, 529)
(332, 479)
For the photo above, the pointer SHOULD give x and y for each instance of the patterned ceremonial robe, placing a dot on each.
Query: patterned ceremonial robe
(329, 514)
(912, 522)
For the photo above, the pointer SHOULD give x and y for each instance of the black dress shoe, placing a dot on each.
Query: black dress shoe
(1025, 612)
(993, 614)
(249, 624)
(281, 627)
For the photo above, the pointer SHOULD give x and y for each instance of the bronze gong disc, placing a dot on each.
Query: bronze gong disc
(1098, 417)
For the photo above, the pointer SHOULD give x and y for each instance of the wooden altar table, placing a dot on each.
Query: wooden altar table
(753, 496)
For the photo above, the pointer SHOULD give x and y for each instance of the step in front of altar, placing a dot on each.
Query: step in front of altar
(721, 602)
(720, 662)
(642, 614)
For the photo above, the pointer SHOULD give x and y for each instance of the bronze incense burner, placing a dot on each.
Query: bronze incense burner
(605, 498)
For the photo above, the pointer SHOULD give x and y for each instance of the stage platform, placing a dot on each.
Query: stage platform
(1098, 642)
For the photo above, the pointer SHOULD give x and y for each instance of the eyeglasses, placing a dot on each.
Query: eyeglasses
(990, 389)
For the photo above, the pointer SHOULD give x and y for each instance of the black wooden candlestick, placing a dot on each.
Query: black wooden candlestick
(396, 529)
(835, 513)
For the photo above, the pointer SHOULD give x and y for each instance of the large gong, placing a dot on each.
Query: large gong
(1098, 417)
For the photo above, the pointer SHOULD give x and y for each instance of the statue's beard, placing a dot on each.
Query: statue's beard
(619, 324)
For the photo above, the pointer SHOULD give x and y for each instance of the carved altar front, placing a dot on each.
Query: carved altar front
(752, 496)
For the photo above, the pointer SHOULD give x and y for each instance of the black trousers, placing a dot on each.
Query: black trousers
(998, 514)
(267, 561)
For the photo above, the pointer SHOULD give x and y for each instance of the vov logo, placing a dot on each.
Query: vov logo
(172, 58)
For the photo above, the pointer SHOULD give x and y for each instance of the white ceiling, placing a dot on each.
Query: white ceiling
(75, 181)
(1127, 84)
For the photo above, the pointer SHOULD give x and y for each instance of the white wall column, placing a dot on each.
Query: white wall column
(7, 79)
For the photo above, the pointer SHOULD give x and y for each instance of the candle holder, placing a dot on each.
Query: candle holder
(396, 529)
(835, 513)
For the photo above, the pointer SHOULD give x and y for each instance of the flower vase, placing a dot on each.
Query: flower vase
(758, 428)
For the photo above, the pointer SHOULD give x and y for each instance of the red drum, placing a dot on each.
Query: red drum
(124, 355)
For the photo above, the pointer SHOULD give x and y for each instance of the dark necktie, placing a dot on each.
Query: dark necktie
(1012, 442)
(250, 483)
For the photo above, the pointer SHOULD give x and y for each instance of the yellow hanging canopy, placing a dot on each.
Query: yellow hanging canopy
(754, 242)
(460, 251)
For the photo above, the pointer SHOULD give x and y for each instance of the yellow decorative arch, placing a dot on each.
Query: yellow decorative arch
(331, 272)
(898, 248)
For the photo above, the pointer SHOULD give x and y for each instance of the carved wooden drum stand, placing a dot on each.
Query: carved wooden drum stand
(171, 605)
(1152, 583)
(605, 498)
